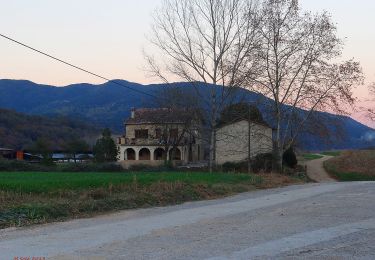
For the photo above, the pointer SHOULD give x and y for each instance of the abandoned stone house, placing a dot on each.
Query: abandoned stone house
(232, 141)
(152, 135)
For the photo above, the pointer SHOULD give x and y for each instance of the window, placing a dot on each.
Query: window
(173, 133)
(141, 133)
(158, 133)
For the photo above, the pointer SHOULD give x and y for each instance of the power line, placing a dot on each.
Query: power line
(74, 66)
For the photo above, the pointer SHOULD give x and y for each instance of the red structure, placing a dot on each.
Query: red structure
(19, 155)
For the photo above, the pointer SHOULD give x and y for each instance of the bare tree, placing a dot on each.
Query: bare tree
(180, 120)
(299, 68)
(371, 109)
(204, 42)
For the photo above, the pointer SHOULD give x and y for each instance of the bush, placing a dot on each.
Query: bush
(90, 167)
(235, 166)
(13, 166)
(290, 158)
(147, 168)
(261, 162)
(19, 166)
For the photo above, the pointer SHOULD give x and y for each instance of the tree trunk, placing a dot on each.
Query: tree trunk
(211, 159)
(213, 132)
(279, 147)
(249, 146)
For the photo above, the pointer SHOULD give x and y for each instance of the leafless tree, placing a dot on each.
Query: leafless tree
(204, 42)
(180, 120)
(298, 65)
(371, 109)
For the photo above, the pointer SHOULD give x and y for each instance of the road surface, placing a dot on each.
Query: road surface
(329, 221)
(316, 171)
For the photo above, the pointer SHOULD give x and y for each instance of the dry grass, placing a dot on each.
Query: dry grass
(361, 162)
(274, 180)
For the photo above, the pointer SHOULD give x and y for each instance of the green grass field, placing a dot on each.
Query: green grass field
(45, 182)
(332, 153)
(40, 197)
(310, 156)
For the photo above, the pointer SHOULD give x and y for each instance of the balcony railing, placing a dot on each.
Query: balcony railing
(139, 141)
(149, 141)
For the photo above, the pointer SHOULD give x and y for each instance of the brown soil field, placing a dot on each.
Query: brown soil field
(361, 162)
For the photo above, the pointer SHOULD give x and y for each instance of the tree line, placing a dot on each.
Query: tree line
(104, 150)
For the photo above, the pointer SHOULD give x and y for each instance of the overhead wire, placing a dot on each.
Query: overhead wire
(75, 66)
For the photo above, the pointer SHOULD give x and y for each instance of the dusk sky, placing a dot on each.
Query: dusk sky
(108, 37)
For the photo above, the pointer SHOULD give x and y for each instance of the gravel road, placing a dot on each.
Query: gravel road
(314, 221)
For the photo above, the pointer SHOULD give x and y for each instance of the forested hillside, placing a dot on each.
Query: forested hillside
(20, 131)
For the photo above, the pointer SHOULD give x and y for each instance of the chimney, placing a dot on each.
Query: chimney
(132, 113)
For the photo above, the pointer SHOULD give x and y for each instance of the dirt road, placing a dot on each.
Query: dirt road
(316, 171)
(333, 220)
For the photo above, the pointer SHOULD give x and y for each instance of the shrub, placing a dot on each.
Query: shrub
(107, 167)
(235, 166)
(262, 162)
(18, 166)
(147, 168)
(290, 158)
(91, 167)
(13, 165)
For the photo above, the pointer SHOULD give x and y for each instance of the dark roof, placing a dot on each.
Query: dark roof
(240, 120)
(159, 115)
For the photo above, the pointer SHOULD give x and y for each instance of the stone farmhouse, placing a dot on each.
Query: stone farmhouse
(153, 135)
(232, 143)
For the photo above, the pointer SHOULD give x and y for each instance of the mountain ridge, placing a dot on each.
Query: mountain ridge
(108, 105)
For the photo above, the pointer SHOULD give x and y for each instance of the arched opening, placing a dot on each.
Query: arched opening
(144, 154)
(159, 154)
(175, 154)
(129, 154)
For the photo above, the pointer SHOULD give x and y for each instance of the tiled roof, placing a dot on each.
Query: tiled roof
(159, 115)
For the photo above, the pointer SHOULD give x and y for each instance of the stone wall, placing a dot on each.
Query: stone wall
(232, 141)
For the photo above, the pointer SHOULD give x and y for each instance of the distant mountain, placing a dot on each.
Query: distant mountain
(104, 105)
(108, 104)
(19, 131)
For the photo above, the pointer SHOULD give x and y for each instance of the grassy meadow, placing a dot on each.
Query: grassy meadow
(311, 156)
(352, 166)
(51, 182)
(39, 197)
(332, 153)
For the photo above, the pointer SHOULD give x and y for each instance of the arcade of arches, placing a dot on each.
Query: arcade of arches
(152, 154)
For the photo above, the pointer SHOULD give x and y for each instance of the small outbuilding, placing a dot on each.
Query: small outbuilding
(233, 140)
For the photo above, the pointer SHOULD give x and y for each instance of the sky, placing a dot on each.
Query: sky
(109, 38)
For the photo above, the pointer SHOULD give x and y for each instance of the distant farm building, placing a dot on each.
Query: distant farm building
(153, 135)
